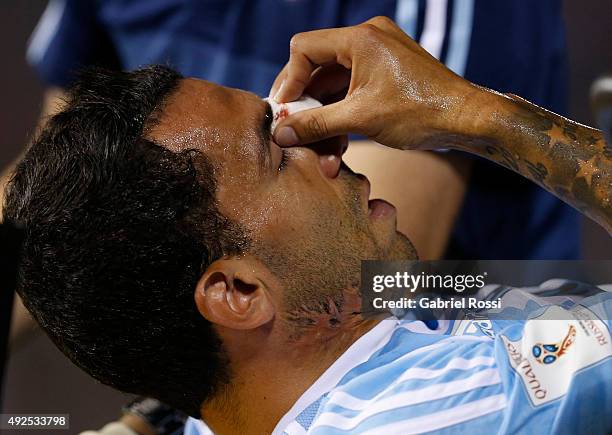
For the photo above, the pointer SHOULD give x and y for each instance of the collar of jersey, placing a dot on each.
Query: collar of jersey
(359, 352)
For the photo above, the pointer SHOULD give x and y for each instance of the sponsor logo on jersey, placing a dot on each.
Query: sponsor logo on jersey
(481, 326)
(550, 351)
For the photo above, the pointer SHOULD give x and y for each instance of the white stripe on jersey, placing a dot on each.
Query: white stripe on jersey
(45, 31)
(407, 398)
(354, 356)
(434, 28)
(347, 401)
(295, 428)
(442, 419)
(417, 383)
(358, 352)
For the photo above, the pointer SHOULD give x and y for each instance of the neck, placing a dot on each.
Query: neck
(267, 382)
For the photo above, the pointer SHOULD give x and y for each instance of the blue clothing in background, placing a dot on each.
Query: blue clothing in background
(516, 46)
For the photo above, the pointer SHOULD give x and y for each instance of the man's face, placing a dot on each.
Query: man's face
(307, 215)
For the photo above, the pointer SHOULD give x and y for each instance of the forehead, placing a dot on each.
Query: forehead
(203, 115)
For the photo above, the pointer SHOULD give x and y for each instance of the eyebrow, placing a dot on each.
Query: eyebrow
(265, 135)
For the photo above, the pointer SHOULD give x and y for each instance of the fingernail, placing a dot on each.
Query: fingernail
(286, 136)
(279, 91)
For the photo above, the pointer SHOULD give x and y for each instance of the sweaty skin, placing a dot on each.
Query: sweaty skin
(427, 106)
(290, 303)
(566, 158)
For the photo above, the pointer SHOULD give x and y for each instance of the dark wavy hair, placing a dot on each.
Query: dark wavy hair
(118, 231)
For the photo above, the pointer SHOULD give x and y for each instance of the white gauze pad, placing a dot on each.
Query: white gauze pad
(281, 110)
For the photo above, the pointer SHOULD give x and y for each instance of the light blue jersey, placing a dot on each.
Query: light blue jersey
(551, 373)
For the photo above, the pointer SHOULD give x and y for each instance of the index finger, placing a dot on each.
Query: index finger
(308, 51)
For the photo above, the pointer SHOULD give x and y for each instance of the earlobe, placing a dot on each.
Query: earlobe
(231, 294)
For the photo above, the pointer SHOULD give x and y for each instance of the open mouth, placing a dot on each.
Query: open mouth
(377, 208)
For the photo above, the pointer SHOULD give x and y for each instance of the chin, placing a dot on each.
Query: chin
(401, 249)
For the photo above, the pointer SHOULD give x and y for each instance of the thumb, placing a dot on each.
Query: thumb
(313, 125)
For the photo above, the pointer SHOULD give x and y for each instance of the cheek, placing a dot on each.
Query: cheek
(293, 209)
(283, 214)
(302, 212)
(272, 210)
(264, 209)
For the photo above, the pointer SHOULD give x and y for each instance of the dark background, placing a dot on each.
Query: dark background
(39, 379)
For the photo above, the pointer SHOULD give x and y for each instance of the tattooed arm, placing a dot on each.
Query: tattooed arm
(570, 160)
(397, 94)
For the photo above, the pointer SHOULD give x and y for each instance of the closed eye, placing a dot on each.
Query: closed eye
(267, 120)
(267, 135)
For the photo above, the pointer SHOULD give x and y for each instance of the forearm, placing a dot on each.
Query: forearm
(570, 160)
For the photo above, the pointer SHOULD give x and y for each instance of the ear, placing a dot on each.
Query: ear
(231, 293)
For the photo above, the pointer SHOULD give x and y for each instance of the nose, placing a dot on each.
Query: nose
(330, 154)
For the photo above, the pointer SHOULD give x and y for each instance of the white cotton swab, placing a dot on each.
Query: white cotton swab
(281, 110)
